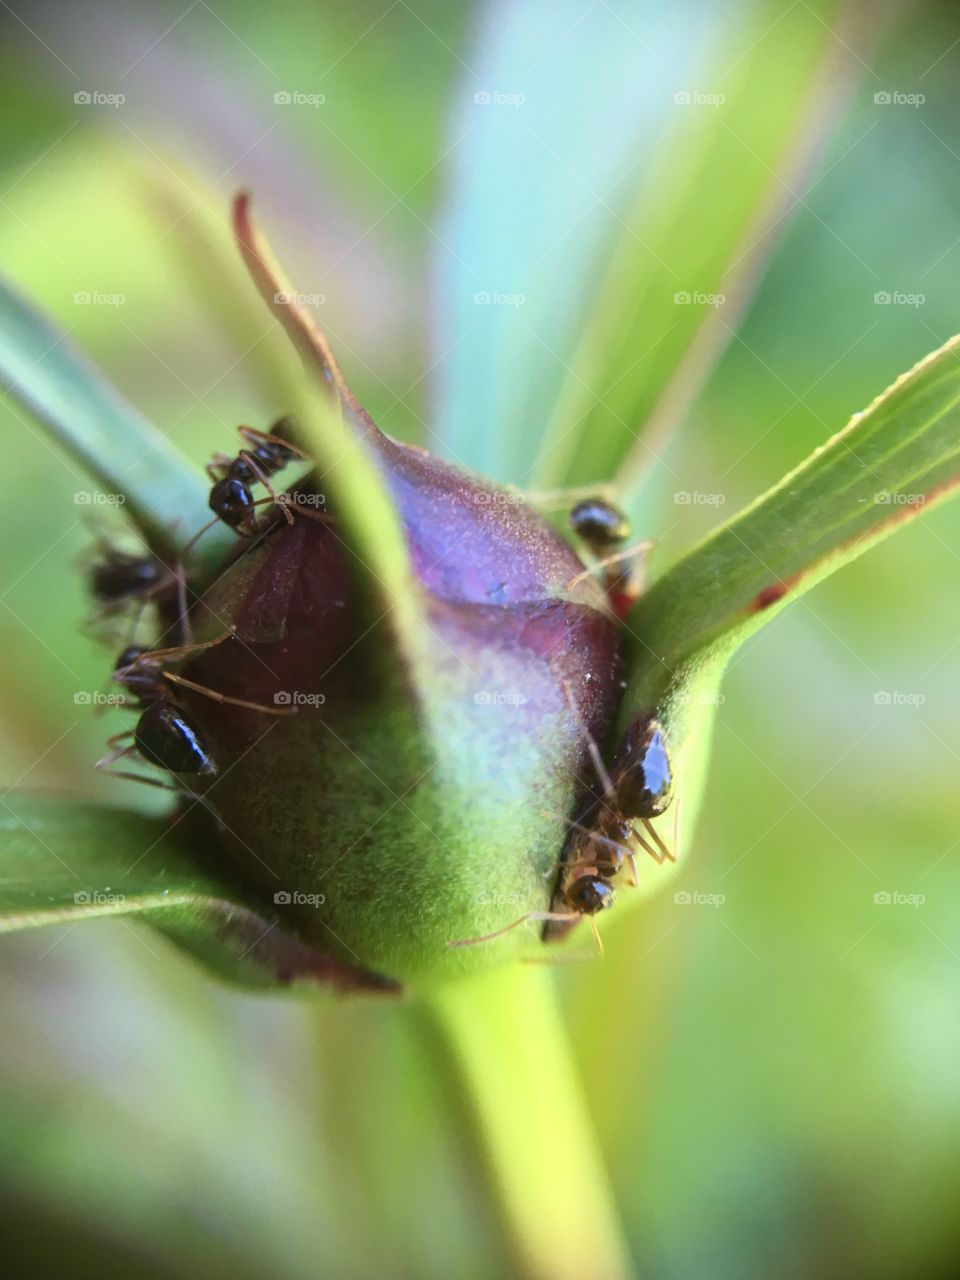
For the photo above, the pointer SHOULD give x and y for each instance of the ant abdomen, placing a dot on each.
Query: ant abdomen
(165, 737)
(642, 775)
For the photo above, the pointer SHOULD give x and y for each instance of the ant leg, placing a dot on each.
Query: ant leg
(498, 933)
(255, 437)
(609, 790)
(264, 479)
(225, 698)
(676, 826)
(303, 509)
(139, 777)
(188, 546)
(624, 850)
(647, 847)
(136, 619)
(636, 552)
(177, 651)
(119, 753)
(281, 499)
(183, 604)
(668, 855)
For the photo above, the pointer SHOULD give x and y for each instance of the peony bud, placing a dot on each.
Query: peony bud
(420, 793)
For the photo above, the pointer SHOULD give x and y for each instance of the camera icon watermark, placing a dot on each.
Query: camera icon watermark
(496, 98)
(294, 498)
(889, 498)
(697, 98)
(290, 298)
(895, 898)
(294, 898)
(499, 698)
(494, 498)
(296, 698)
(496, 298)
(97, 698)
(98, 898)
(697, 298)
(93, 498)
(694, 498)
(97, 98)
(97, 298)
(296, 98)
(898, 298)
(897, 98)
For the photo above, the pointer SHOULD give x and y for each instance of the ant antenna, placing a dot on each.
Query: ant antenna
(527, 916)
(226, 698)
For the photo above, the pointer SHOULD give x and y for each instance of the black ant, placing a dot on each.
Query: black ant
(120, 577)
(117, 579)
(231, 498)
(602, 527)
(640, 789)
(164, 735)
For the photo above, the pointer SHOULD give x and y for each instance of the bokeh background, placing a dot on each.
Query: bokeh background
(772, 1066)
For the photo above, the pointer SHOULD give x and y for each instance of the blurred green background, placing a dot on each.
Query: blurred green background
(773, 1076)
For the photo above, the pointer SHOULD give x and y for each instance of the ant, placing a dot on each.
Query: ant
(640, 789)
(602, 526)
(121, 576)
(231, 498)
(118, 578)
(164, 734)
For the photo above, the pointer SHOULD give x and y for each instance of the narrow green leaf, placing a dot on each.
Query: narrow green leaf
(63, 861)
(890, 464)
(615, 159)
(123, 453)
(712, 202)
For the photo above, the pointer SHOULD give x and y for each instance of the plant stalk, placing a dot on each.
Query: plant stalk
(503, 1032)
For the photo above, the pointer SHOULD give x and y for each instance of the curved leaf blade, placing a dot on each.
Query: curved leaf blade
(123, 453)
(710, 208)
(578, 217)
(891, 463)
(63, 861)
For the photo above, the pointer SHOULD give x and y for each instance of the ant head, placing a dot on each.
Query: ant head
(642, 774)
(599, 523)
(589, 893)
(127, 657)
(232, 501)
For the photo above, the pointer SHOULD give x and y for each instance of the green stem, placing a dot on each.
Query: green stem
(504, 1032)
